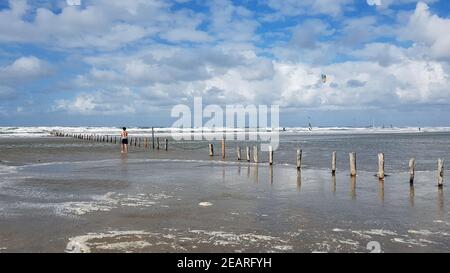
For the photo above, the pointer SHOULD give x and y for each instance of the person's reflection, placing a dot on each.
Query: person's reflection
(353, 187)
(299, 180)
(124, 161)
(411, 196)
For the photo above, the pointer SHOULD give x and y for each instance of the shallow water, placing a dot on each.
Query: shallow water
(60, 194)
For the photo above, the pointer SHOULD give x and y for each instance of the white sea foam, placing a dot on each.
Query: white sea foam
(45, 131)
(174, 240)
(409, 242)
(82, 244)
(110, 201)
(205, 204)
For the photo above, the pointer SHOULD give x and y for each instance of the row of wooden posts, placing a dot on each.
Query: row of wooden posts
(352, 160)
(352, 156)
(136, 141)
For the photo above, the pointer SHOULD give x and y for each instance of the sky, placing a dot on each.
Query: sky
(115, 62)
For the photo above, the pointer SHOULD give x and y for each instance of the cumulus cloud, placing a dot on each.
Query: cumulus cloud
(7, 93)
(314, 7)
(104, 102)
(100, 24)
(24, 69)
(429, 31)
(135, 56)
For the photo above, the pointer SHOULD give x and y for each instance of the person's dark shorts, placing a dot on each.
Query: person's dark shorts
(125, 141)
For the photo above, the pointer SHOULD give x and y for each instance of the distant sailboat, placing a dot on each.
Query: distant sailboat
(309, 124)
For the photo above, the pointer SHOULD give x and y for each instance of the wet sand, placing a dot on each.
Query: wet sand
(66, 195)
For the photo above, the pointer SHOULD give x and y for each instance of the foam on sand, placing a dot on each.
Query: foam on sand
(111, 201)
(205, 204)
(174, 240)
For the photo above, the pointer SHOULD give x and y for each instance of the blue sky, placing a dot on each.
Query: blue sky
(113, 62)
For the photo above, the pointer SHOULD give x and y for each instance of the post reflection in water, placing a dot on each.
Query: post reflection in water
(441, 200)
(256, 174)
(223, 174)
(299, 180)
(239, 169)
(353, 187)
(271, 174)
(333, 184)
(411, 195)
(381, 190)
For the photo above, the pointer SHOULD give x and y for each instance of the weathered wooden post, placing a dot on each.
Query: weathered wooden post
(135, 142)
(299, 159)
(333, 163)
(157, 143)
(270, 155)
(211, 149)
(255, 154)
(440, 172)
(352, 164)
(153, 138)
(146, 143)
(247, 151)
(238, 150)
(166, 144)
(412, 164)
(223, 148)
(381, 166)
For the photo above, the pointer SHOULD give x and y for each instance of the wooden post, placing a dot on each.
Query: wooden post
(255, 154)
(146, 143)
(247, 150)
(412, 163)
(352, 164)
(166, 145)
(211, 149)
(381, 166)
(157, 143)
(333, 163)
(440, 172)
(270, 155)
(238, 150)
(223, 148)
(299, 159)
(153, 138)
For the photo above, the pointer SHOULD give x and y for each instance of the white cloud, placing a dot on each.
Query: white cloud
(428, 31)
(24, 69)
(7, 92)
(311, 7)
(104, 102)
(100, 24)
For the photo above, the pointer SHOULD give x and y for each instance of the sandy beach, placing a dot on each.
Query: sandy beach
(70, 195)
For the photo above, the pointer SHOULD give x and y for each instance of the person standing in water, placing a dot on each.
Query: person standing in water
(124, 140)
